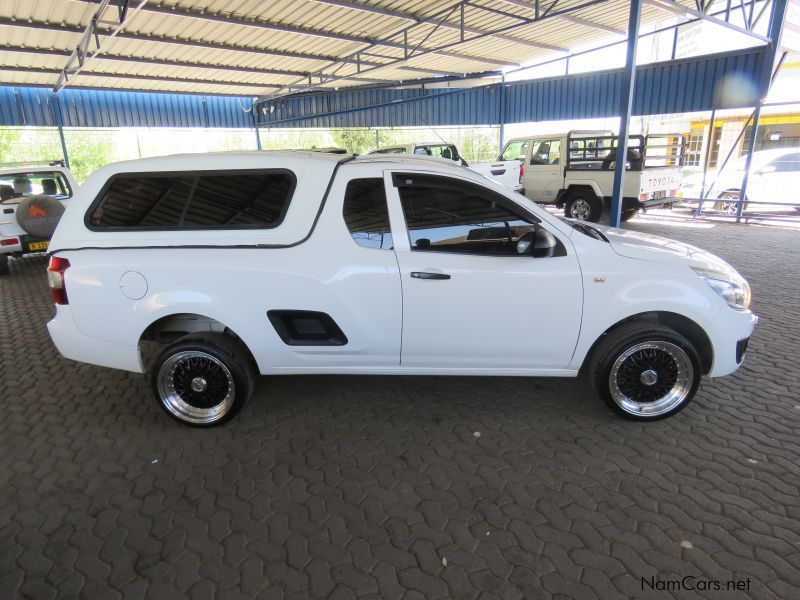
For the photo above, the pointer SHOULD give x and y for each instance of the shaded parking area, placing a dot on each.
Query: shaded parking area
(390, 487)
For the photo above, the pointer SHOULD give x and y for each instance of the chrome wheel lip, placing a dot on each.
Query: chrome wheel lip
(580, 209)
(672, 399)
(172, 401)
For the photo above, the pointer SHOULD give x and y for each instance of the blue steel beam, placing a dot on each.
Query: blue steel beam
(625, 106)
(751, 146)
(774, 29)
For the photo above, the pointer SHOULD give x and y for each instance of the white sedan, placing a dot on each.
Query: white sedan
(773, 185)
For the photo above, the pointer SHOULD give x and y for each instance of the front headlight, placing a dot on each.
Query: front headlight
(732, 288)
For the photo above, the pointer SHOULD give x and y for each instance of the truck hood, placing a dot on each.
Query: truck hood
(645, 246)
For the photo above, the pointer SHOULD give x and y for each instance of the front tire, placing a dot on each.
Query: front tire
(203, 380)
(583, 206)
(645, 371)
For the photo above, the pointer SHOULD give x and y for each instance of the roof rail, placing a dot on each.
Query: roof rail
(34, 163)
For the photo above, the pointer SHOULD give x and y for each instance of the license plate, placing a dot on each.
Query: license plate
(37, 246)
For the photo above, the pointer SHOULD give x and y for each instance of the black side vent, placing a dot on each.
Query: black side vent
(306, 328)
(741, 348)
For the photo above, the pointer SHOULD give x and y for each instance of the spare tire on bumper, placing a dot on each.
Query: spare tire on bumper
(39, 215)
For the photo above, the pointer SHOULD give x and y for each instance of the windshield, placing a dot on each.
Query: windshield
(759, 160)
(15, 186)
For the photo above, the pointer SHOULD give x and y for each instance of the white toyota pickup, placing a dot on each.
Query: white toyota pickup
(575, 171)
(508, 172)
(302, 262)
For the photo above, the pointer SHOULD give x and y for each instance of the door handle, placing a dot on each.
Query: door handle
(427, 275)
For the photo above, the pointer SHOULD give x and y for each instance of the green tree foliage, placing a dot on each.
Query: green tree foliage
(357, 141)
(88, 151)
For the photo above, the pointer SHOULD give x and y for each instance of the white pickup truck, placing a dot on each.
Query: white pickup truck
(575, 171)
(32, 199)
(280, 263)
(508, 172)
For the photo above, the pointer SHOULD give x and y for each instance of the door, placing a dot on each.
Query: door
(470, 299)
(544, 172)
(778, 181)
(350, 273)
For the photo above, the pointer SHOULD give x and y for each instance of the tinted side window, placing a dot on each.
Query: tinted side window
(166, 201)
(366, 214)
(787, 162)
(449, 152)
(449, 215)
(142, 202)
(239, 200)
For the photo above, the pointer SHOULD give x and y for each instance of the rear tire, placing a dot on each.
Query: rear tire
(728, 202)
(627, 215)
(583, 206)
(644, 371)
(203, 380)
(4, 268)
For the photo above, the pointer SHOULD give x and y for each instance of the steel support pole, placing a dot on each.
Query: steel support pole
(675, 41)
(60, 121)
(63, 146)
(502, 112)
(625, 105)
(254, 112)
(775, 27)
(751, 146)
(705, 163)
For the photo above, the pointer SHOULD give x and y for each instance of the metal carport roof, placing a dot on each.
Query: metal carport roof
(254, 48)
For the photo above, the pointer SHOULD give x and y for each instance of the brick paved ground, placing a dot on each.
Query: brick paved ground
(357, 487)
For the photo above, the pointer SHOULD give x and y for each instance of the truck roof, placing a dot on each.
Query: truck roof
(250, 159)
(415, 160)
(312, 171)
(570, 133)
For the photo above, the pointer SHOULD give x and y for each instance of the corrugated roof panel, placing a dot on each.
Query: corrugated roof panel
(56, 24)
(94, 108)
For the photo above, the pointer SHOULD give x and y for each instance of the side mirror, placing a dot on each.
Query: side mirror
(539, 243)
(525, 243)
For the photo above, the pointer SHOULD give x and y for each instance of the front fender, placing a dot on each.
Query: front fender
(618, 288)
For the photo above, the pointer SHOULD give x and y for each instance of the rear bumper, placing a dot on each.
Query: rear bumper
(654, 202)
(730, 333)
(23, 245)
(72, 343)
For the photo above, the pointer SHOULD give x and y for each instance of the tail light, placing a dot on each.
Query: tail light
(9, 242)
(644, 196)
(673, 192)
(55, 277)
(521, 172)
